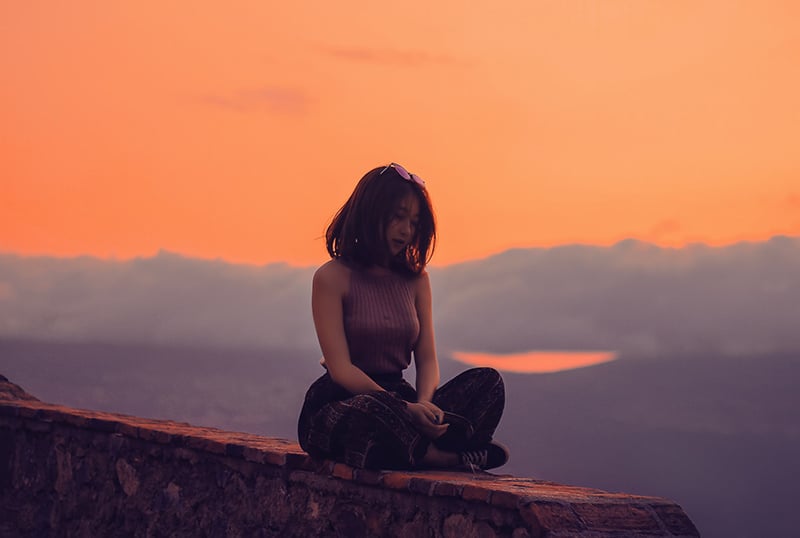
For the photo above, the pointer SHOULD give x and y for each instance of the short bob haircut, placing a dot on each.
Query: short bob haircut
(357, 233)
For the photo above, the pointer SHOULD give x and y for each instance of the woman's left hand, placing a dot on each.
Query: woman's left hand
(437, 415)
(422, 418)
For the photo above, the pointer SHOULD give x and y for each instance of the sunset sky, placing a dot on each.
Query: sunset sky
(236, 132)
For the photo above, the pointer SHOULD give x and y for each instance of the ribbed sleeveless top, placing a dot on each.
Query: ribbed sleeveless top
(380, 321)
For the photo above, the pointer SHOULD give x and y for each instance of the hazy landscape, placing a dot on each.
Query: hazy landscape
(701, 407)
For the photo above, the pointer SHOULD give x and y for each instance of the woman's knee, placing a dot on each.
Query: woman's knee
(491, 383)
(486, 374)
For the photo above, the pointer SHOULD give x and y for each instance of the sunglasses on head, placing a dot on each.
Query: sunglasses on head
(405, 174)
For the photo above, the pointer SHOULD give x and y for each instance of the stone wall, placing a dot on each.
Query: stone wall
(70, 472)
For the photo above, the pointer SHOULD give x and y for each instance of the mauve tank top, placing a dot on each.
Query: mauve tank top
(380, 321)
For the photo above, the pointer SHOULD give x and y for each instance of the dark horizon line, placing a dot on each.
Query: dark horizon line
(219, 259)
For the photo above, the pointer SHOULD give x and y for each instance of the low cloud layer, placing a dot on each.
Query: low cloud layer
(166, 299)
(632, 297)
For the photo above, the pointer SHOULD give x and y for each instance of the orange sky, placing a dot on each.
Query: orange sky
(237, 132)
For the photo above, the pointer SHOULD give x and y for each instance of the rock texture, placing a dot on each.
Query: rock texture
(70, 472)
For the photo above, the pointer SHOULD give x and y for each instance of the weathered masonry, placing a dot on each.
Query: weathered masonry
(71, 472)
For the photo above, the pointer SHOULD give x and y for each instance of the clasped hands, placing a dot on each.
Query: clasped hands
(427, 417)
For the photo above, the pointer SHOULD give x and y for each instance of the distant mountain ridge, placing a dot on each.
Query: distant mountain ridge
(632, 297)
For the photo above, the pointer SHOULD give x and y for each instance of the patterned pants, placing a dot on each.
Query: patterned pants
(374, 430)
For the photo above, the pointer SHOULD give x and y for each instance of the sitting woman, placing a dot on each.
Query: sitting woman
(371, 305)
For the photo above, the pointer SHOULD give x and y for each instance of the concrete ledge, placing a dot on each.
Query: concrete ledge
(157, 476)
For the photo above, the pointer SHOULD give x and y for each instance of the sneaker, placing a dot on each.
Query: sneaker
(492, 455)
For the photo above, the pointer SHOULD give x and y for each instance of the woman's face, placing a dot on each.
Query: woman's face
(402, 227)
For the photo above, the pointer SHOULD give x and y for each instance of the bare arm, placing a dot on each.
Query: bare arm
(329, 285)
(425, 353)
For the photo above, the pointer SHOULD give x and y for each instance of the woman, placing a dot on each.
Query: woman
(372, 310)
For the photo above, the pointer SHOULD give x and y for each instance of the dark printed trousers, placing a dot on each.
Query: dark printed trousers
(374, 430)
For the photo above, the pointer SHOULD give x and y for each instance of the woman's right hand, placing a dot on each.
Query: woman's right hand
(423, 419)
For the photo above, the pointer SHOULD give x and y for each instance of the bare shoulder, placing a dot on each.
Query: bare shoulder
(333, 276)
(422, 284)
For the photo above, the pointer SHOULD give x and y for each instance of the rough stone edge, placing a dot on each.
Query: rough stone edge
(548, 507)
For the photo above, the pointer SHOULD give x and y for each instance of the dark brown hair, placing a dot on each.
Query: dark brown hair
(357, 234)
